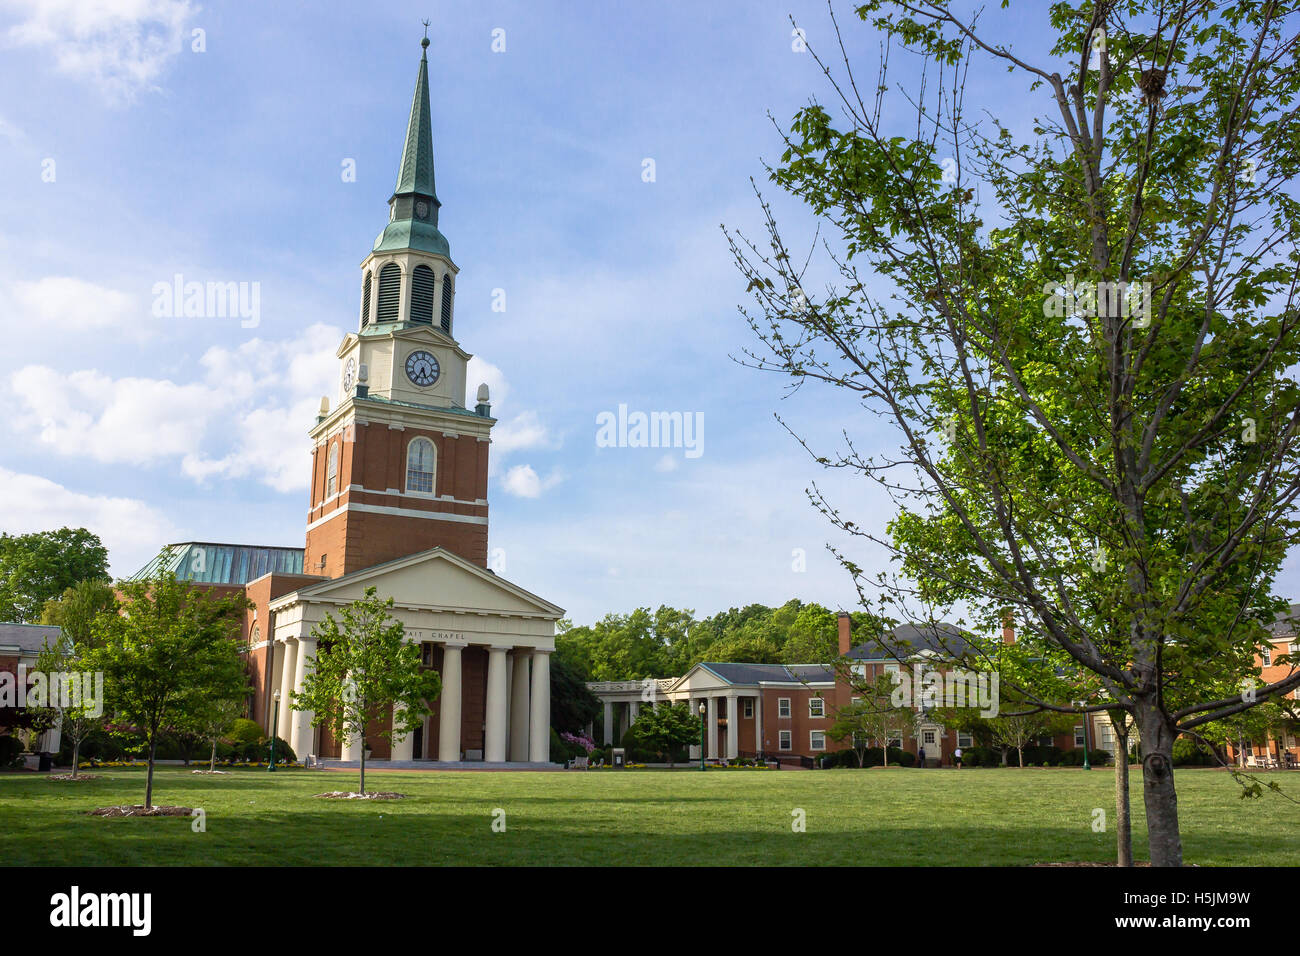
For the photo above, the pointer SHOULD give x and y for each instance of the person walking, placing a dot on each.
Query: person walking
(956, 757)
(920, 757)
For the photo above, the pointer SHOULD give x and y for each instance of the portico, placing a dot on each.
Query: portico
(489, 640)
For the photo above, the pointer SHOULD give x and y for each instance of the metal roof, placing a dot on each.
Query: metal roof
(235, 564)
(908, 640)
(28, 638)
(770, 673)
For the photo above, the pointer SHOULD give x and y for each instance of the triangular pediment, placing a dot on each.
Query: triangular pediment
(435, 579)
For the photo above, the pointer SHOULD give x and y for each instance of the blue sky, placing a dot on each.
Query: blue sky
(226, 165)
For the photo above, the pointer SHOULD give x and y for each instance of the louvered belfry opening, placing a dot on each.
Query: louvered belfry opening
(390, 292)
(365, 298)
(422, 295)
(446, 304)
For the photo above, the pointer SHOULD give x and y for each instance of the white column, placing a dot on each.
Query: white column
(301, 739)
(287, 672)
(758, 722)
(404, 746)
(539, 746)
(609, 722)
(634, 711)
(519, 706)
(498, 706)
(712, 728)
(449, 704)
(733, 726)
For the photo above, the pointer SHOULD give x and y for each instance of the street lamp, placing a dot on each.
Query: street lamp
(275, 722)
(1087, 741)
(703, 710)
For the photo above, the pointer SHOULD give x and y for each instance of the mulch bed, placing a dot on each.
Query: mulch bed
(1094, 863)
(142, 811)
(69, 777)
(210, 771)
(373, 795)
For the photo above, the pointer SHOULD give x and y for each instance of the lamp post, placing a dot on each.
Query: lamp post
(1087, 741)
(275, 722)
(703, 710)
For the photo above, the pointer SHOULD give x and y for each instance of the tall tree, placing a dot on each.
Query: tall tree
(364, 668)
(1083, 338)
(37, 567)
(172, 649)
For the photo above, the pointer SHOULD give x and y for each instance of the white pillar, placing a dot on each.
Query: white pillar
(498, 706)
(449, 704)
(284, 729)
(609, 722)
(733, 726)
(404, 746)
(758, 722)
(634, 711)
(712, 728)
(539, 746)
(519, 741)
(301, 739)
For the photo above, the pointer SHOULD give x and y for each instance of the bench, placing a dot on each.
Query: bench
(579, 763)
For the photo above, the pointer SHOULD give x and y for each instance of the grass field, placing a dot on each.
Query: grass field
(890, 817)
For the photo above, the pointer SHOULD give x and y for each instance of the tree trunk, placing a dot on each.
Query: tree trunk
(148, 786)
(885, 752)
(1123, 822)
(1156, 737)
(76, 758)
(1020, 755)
(363, 766)
(212, 764)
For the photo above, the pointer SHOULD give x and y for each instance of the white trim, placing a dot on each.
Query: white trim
(432, 493)
(820, 700)
(399, 512)
(788, 709)
(812, 746)
(788, 737)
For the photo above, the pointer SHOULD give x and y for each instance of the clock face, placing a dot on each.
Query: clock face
(349, 374)
(422, 368)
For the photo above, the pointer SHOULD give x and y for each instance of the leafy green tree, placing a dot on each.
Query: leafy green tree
(173, 648)
(1083, 338)
(37, 567)
(745, 647)
(573, 706)
(77, 607)
(813, 637)
(364, 667)
(667, 727)
(214, 720)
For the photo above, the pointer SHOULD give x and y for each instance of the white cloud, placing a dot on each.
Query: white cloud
(77, 304)
(523, 482)
(666, 463)
(480, 372)
(247, 418)
(125, 525)
(120, 47)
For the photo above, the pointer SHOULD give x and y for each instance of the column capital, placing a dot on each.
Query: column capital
(459, 645)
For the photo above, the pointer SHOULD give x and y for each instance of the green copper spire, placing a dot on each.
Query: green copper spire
(413, 207)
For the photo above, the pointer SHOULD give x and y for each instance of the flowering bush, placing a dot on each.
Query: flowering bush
(579, 740)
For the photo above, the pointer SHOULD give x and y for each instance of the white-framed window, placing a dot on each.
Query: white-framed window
(891, 669)
(1079, 739)
(784, 740)
(859, 671)
(927, 737)
(895, 742)
(816, 707)
(816, 740)
(332, 471)
(783, 707)
(965, 741)
(420, 458)
(1268, 657)
(747, 707)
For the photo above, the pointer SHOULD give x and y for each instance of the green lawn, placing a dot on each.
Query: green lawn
(894, 817)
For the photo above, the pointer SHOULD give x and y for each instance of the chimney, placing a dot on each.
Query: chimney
(1008, 631)
(846, 639)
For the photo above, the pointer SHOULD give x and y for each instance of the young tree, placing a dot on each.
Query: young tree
(214, 721)
(77, 607)
(1084, 340)
(667, 727)
(872, 717)
(172, 648)
(37, 567)
(364, 667)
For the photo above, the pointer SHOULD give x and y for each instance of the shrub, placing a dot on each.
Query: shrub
(11, 750)
(244, 731)
(283, 752)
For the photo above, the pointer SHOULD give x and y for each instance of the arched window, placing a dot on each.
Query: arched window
(446, 303)
(332, 471)
(390, 292)
(420, 457)
(365, 298)
(422, 295)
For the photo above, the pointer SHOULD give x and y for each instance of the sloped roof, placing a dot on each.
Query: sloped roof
(28, 638)
(907, 640)
(207, 563)
(770, 673)
(1285, 625)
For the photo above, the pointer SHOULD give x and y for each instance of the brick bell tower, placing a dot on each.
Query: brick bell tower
(400, 464)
